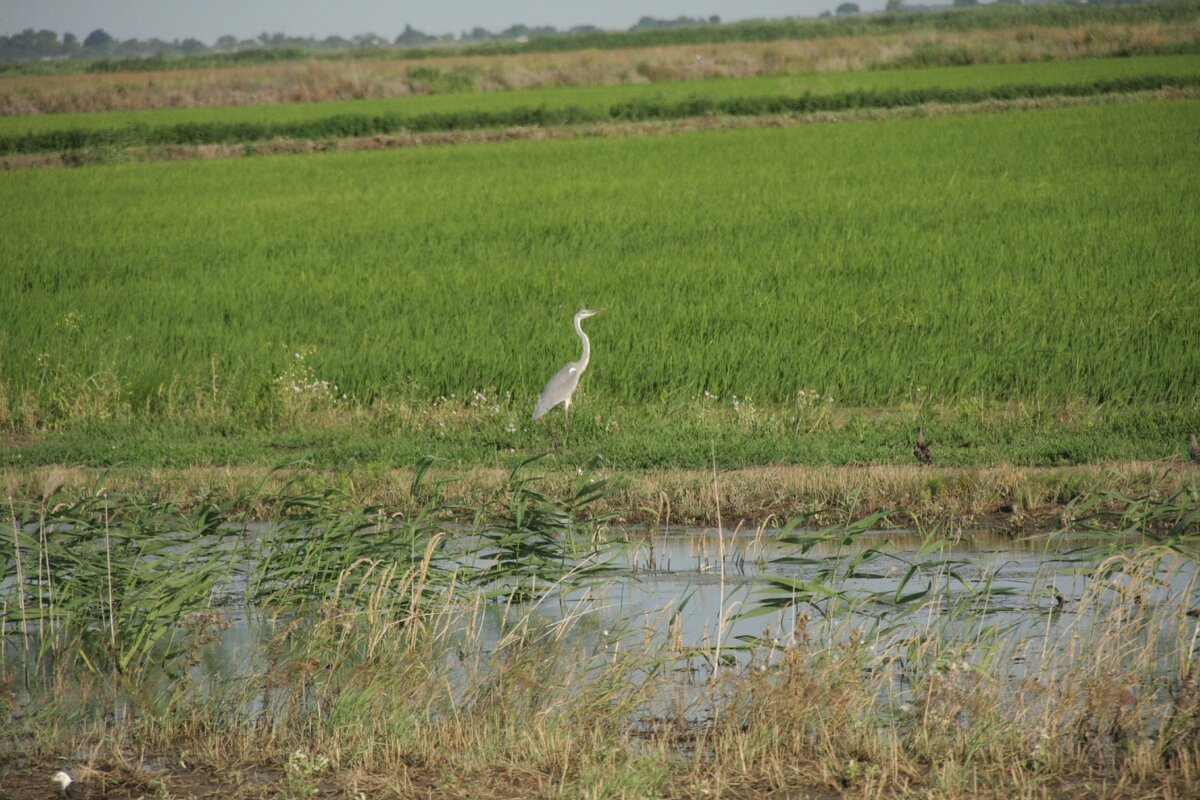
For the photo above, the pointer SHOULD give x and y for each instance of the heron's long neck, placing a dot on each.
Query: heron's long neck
(587, 346)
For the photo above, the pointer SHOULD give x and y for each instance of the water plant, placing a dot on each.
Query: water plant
(383, 679)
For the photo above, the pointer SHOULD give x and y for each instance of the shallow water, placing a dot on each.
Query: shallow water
(707, 597)
(713, 586)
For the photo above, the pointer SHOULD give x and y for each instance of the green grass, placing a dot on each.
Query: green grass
(1030, 257)
(631, 437)
(600, 99)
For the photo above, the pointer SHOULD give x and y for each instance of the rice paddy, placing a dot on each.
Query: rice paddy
(867, 264)
(276, 521)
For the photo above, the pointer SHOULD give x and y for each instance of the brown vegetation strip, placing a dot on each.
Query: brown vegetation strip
(546, 133)
(1006, 498)
(318, 81)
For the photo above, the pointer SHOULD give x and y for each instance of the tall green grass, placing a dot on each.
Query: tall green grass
(1023, 258)
(1036, 255)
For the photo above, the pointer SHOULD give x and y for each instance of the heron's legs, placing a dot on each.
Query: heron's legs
(566, 421)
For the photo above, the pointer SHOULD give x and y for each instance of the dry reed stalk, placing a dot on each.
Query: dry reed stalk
(20, 578)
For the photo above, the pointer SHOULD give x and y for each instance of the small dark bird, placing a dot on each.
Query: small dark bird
(1193, 448)
(922, 451)
(73, 789)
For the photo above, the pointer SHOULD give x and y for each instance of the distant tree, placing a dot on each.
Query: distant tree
(824, 15)
(192, 46)
(272, 39)
(1008, 2)
(514, 32)
(70, 43)
(653, 23)
(412, 36)
(368, 40)
(46, 41)
(226, 42)
(894, 5)
(848, 8)
(98, 39)
(965, 3)
(30, 44)
(714, 20)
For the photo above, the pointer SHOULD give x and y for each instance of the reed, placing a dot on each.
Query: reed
(394, 683)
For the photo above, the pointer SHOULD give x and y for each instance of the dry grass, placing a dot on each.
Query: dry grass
(316, 81)
(1007, 498)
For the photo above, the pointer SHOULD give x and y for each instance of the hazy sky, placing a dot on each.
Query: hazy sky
(208, 19)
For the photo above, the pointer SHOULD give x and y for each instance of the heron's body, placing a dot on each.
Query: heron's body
(560, 388)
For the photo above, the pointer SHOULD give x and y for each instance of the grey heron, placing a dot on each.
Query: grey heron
(562, 386)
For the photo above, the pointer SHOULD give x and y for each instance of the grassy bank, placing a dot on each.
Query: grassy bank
(1008, 499)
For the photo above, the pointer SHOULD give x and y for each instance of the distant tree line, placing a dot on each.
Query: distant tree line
(31, 45)
(42, 52)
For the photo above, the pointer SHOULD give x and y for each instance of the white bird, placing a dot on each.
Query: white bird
(71, 788)
(560, 388)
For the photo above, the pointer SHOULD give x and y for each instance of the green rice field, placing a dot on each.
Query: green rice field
(1027, 257)
(1045, 253)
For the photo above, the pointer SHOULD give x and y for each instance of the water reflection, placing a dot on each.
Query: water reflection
(700, 599)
